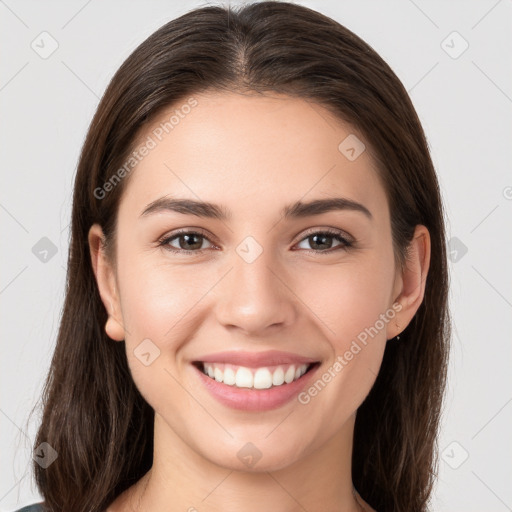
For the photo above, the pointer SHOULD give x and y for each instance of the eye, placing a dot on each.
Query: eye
(323, 240)
(187, 242)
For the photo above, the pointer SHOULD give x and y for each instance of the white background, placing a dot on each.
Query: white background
(464, 103)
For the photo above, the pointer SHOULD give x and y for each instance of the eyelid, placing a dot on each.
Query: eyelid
(327, 230)
(163, 240)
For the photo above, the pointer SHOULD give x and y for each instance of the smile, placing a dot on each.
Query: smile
(254, 381)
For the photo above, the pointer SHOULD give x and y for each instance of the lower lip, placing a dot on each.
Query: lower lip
(247, 399)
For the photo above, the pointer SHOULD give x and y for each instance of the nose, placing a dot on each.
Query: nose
(256, 297)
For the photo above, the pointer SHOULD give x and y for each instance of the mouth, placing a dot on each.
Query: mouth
(264, 377)
(254, 381)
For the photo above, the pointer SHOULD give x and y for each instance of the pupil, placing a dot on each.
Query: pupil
(187, 237)
(322, 237)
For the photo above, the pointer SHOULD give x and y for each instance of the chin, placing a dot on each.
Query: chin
(254, 457)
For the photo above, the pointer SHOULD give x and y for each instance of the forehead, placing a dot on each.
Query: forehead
(252, 152)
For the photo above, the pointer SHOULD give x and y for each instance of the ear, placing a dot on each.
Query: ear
(410, 283)
(106, 280)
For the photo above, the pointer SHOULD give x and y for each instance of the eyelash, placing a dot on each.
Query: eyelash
(331, 233)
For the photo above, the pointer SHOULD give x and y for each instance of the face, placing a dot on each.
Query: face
(258, 289)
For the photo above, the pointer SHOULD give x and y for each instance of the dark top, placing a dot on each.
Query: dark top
(36, 507)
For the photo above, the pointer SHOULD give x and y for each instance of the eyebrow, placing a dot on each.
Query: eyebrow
(296, 210)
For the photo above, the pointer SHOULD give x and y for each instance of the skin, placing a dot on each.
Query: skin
(253, 154)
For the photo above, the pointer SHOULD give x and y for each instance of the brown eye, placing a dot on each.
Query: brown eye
(323, 241)
(318, 241)
(185, 241)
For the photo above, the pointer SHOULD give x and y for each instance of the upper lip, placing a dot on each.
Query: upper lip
(256, 359)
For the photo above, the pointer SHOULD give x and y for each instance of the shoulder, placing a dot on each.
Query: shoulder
(36, 507)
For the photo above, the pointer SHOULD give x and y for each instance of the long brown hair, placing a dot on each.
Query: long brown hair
(93, 415)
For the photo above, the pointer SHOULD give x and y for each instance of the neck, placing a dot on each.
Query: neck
(183, 480)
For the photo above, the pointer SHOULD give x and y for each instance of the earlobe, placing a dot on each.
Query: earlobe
(114, 329)
(105, 280)
(413, 280)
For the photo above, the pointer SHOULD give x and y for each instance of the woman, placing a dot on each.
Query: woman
(256, 310)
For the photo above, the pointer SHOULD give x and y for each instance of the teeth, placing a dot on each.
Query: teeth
(278, 377)
(260, 378)
(229, 377)
(289, 375)
(244, 378)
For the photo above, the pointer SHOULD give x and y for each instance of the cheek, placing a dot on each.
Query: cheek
(347, 299)
(156, 298)
(352, 305)
(157, 306)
